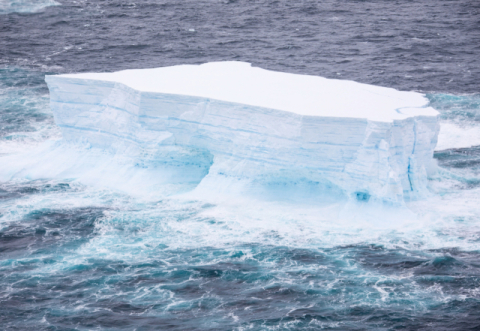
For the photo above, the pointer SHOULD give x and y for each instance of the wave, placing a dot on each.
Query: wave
(25, 117)
(155, 261)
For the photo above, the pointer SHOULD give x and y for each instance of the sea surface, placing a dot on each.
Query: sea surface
(80, 256)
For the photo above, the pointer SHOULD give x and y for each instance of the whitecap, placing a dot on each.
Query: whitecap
(25, 6)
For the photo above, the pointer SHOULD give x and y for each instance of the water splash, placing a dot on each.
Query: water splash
(460, 117)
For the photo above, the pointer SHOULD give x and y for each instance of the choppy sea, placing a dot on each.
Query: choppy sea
(80, 256)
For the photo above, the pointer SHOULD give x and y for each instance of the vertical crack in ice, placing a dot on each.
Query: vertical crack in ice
(412, 154)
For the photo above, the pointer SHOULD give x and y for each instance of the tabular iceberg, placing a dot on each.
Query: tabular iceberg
(362, 141)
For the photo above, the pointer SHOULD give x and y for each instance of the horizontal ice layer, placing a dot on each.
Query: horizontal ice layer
(260, 125)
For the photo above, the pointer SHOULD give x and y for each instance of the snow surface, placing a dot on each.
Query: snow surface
(239, 82)
(251, 131)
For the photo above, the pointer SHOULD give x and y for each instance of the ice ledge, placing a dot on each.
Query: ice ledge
(376, 144)
(239, 82)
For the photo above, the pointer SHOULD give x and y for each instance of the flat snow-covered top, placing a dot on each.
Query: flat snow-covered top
(239, 82)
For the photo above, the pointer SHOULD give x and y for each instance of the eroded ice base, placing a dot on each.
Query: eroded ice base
(263, 129)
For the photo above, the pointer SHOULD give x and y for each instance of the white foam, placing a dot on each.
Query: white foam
(454, 135)
(239, 82)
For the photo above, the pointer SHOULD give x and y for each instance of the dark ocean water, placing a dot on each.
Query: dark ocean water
(77, 257)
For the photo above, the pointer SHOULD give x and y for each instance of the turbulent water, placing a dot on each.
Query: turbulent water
(77, 255)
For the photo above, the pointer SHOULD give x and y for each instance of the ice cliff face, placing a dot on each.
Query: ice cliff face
(261, 127)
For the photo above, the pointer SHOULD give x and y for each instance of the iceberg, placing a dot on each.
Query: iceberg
(261, 127)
